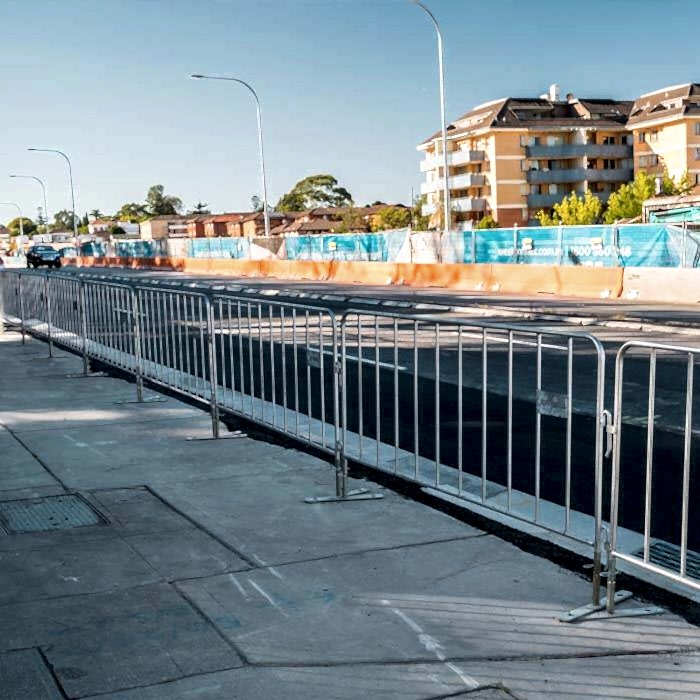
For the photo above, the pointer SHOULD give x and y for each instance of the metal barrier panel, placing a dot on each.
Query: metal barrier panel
(277, 365)
(108, 311)
(173, 329)
(482, 412)
(655, 528)
(65, 293)
(10, 299)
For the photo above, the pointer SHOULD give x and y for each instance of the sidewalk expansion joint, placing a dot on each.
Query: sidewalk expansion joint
(203, 528)
(211, 623)
(40, 461)
(257, 566)
(52, 672)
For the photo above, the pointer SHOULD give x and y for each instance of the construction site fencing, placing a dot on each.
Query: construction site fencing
(627, 245)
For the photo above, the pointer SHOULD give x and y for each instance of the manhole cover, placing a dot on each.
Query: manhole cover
(44, 514)
(668, 556)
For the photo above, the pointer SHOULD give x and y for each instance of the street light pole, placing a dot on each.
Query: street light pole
(19, 211)
(43, 189)
(261, 149)
(441, 69)
(70, 177)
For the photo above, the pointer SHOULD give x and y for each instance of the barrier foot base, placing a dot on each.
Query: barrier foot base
(82, 375)
(233, 435)
(586, 611)
(145, 399)
(356, 495)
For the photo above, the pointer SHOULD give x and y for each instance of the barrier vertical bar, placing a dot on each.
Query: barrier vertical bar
(21, 309)
(47, 307)
(213, 372)
(687, 443)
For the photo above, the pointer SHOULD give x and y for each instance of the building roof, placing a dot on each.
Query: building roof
(166, 217)
(672, 102)
(231, 217)
(539, 112)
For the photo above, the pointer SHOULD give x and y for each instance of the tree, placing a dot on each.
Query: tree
(159, 203)
(116, 231)
(132, 212)
(315, 191)
(573, 211)
(256, 203)
(96, 214)
(62, 221)
(626, 203)
(670, 188)
(200, 208)
(390, 218)
(84, 221)
(487, 222)
(28, 225)
(418, 221)
(351, 221)
(41, 221)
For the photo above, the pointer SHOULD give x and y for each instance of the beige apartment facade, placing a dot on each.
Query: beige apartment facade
(665, 125)
(513, 157)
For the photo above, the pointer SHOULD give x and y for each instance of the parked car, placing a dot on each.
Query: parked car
(39, 255)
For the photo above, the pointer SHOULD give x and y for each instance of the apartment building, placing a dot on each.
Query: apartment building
(512, 157)
(665, 125)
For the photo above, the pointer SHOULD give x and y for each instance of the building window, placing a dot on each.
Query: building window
(527, 141)
(609, 140)
(524, 165)
(697, 154)
(535, 189)
(697, 128)
(650, 161)
(641, 138)
(552, 189)
(555, 140)
(697, 179)
(626, 140)
(608, 164)
(654, 136)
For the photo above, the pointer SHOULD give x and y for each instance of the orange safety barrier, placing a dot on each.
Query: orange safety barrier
(471, 277)
(375, 273)
(664, 285)
(309, 270)
(575, 281)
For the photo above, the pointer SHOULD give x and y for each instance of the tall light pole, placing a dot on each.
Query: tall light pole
(43, 189)
(19, 211)
(70, 177)
(441, 69)
(266, 214)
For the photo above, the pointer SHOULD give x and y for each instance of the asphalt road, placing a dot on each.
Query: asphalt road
(421, 388)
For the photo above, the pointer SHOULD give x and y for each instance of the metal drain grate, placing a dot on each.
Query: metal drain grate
(669, 556)
(45, 514)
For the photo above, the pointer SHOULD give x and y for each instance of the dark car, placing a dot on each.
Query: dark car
(39, 255)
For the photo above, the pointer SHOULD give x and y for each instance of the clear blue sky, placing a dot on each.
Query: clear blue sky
(348, 86)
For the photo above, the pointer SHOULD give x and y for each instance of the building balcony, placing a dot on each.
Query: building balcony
(578, 150)
(579, 175)
(428, 209)
(613, 175)
(453, 158)
(457, 182)
(467, 204)
(539, 201)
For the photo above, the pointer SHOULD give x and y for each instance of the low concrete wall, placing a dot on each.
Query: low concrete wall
(573, 281)
(662, 284)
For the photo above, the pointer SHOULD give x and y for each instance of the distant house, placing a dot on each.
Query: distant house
(164, 226)
(672, 210)
(217, 226)
(331, 219)
(102, 228)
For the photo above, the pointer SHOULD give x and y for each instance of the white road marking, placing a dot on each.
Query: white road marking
(431, 644)
(267, 597)
(239, 586)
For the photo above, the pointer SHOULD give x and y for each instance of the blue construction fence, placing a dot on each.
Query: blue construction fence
(633, 245)
(630, 245)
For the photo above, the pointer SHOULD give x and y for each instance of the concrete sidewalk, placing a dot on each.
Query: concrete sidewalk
(204, 574)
